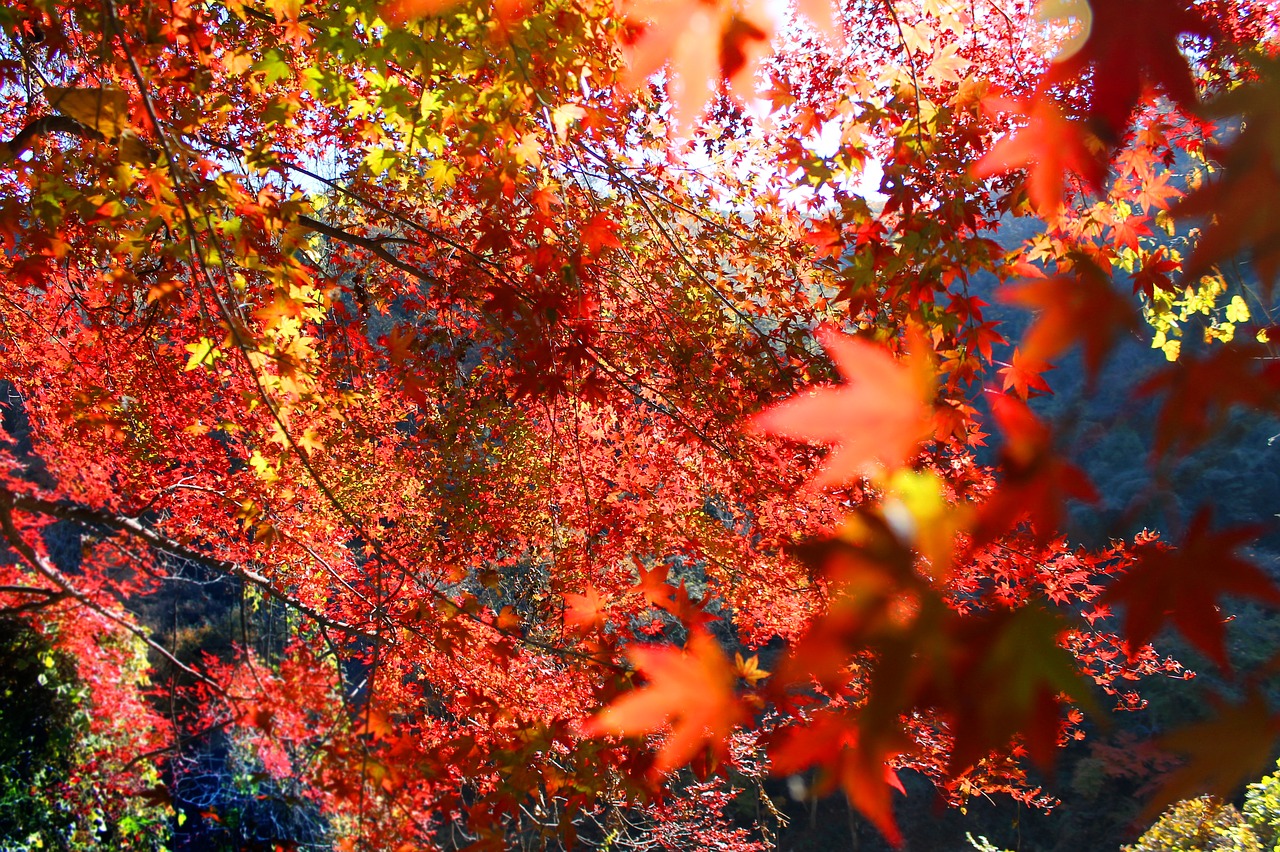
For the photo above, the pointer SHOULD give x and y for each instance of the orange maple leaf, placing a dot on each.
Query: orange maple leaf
(403, 11)
(749, 669)
(690, 689)
(599, 233)
(1025, 375)
(822, 13)
(874, 421)
(1048, 146)
(704, 43)
(584, 613)
(654, 586)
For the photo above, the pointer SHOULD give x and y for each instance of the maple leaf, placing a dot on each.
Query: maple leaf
(825, 237)
(203, 353)
(1154, 274)
(562, 118)
(584, 613)
(683, 34)
(654, 586)
(875, 421)
(102, 109)
(1123, 57)
(600, 232)
(742, 45)
(692, 689)
(861, 768)
(947, 66)
(1082, 306)
(822, 14)
(280, 309)
(404, 11)
(1184, 586)
(867, 580)
(1127, 230)
(1049, 145)
(1242, 203)
(1156, 192)
(1036, 482)
(1012, 672)
(1025, 375)
(1201, 390)
(749, 669)
(1232, 747)
(507, 620)
(691, 614)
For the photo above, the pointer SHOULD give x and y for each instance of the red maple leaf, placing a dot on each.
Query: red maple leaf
(1037, 481)
(1201, 390)
(875, 420)
(1132, 43)
(691, 613)
(402, 11)
(1222, 753)
(1154, 274)
(654, 586)
(1081, 306)
(1244, 209)
(1126, 231)
(1156, 192)
(1184, 586)
(1013, 673)
(600, 232)
(862, 769)
(825, 237)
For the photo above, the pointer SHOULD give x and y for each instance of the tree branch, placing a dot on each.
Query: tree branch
(369, 244)
(135, 528)
(27, 136)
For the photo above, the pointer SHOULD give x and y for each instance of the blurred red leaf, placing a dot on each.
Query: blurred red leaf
(584, 613)
(875, 420)
(1080, 307)
(1013, 676)
(1242, 205)
(1037, 481)
(833, 743)
(1047, 147)
(1132, 44)
(1222, 753)
(1184, 586)
(1201, 390)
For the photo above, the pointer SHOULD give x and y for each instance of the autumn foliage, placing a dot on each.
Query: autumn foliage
(559, 378)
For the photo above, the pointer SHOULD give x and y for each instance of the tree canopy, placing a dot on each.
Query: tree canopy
(545, 396)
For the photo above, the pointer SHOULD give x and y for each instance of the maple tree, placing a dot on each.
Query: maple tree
(581, 424)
